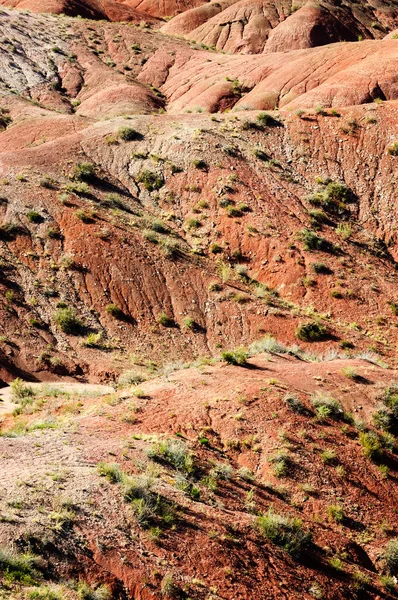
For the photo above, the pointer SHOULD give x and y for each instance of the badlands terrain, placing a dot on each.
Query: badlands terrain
(198, 299)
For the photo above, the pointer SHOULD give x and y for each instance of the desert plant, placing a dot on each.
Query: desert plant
(312, 241)
(19, 567)
(371, 444)
(67, 320)
(33, 216)
(20, 392)
(390, 556)
(286, 532)
(114, 310)
(312, 332)
(112, 472)
(165, 320)
(326, 406)
(388, 583)
(321, 269)
(237, 357)
(150, 180)
(199, 164)
(295, 405)
(393, 149)
(173, 451)
(128, 134)
(83, 172)
(335, 513)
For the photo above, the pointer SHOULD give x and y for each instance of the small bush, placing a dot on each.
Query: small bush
(295, 405)
(83, 172)
(83, 216)
(79, 188)
(235, 357)
(312, 241)
(321, 269)
(266, 120)
(286, 532)
(19, 567)
(85, 592)
(390, 556)
(328, 457)
(312, 332)
(393, 149)
(150, 180)
(371, 445)
(199, 164)
(326, 406)
(165, 320)
(336, 513)
(112, 472)
(128, 134)
(115, 311)
(45, 593)
(67, 320)
(33, 216)
(360, 580)
(175, 452)
(20, 391)
(388, 583)
(189, 323)
(281, 464)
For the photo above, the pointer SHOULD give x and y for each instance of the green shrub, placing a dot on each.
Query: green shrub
(33, 216)
(233, 211)
(83, 216)
(83, 172)
(335, 513)
(80, 188)
(85, 592)
(165, 320)
(189, 323)
(326, 406)
(312, 241)
(67, 320)
(388, 583)
(390, 556)
(281, 464)
(20, 391)
(360, 580)
(128, 134)
(312, 332)
(336, 564)
(45, 593)
(286, 532)
(295, 405)
(150, 180)
(371, 445)
(328, 457)
(18, 567)
(393, 149)
(173, 451)
(266, 120)
(115, 311)
(193, 224)
(199, 164)
(112, 472)
(235, 357)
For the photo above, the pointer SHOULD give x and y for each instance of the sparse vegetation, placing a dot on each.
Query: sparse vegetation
(286, 532)
(67, 320)
(237, 357)
(312, 332)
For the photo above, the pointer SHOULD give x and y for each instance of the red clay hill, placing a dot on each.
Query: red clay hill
(198, 209)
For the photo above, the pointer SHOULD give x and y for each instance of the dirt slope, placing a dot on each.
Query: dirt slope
(229, 424)
(197, 221)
